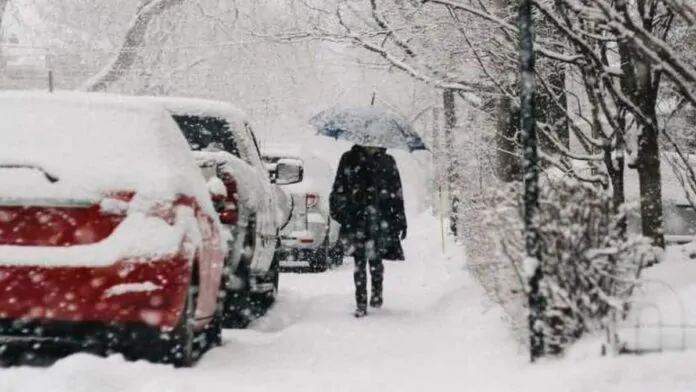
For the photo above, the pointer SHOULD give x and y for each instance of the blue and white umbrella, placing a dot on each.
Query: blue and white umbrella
(368, 126)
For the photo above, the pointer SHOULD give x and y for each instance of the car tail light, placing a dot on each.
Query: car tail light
(311, 200)
(228, 211)
(229, 217)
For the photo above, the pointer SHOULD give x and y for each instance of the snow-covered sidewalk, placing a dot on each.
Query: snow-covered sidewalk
(437, 332)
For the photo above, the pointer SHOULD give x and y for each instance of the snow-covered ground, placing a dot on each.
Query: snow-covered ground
(437, 332)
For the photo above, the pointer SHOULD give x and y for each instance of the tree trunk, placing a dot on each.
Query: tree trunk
(650, 181)
(640, 82)
(132, 43)
(649, 156)
(507, 159)
(615, 168)
(452, 161)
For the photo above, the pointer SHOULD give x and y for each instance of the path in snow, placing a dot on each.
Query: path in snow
(435, 331)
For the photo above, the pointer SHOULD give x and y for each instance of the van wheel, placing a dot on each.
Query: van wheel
(263, 301)
(236, 311)
(236, 303)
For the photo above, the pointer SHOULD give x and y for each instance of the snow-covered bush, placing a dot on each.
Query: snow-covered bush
(589, 268)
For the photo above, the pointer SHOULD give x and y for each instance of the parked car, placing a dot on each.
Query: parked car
(109, 240)
(237, 205)
(215, 126)
(311, 235)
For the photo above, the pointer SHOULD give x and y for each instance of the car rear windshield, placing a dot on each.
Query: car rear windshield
(207, 133)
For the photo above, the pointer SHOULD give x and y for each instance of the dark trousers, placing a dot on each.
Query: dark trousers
(362, 260)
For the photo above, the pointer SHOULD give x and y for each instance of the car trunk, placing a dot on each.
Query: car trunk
(52, 215)
(57, 217)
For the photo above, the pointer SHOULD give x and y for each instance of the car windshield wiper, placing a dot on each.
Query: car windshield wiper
(50, 177)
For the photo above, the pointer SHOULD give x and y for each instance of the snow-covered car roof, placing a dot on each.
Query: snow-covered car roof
(93, 143)
(203, 107)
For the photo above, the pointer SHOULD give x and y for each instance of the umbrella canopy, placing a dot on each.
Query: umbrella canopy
(368, 126)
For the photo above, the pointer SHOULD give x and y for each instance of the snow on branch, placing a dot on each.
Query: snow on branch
(403, 66)
(133, 41)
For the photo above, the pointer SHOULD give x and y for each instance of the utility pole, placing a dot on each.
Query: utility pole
(530, 169)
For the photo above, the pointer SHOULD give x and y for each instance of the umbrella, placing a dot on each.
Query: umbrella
(368, 126)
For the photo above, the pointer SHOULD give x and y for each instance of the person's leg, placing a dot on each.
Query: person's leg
(377, 278)
(360, 279)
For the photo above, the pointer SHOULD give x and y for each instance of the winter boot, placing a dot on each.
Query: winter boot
(360, 311)
(376, 301)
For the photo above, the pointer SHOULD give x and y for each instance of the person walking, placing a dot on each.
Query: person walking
(367, 201)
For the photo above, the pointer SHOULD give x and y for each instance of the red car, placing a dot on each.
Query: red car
(108, 237)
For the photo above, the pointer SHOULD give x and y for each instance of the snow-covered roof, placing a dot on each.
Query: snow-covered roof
(93, 143)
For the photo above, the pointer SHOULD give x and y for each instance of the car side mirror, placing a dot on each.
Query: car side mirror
(271, 170)
(289, 171)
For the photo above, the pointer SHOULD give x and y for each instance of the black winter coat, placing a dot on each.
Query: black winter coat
(367, 200)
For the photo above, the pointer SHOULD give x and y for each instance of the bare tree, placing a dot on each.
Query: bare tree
(132, 42)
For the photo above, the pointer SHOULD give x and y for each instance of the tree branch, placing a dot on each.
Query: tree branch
(132, 43)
